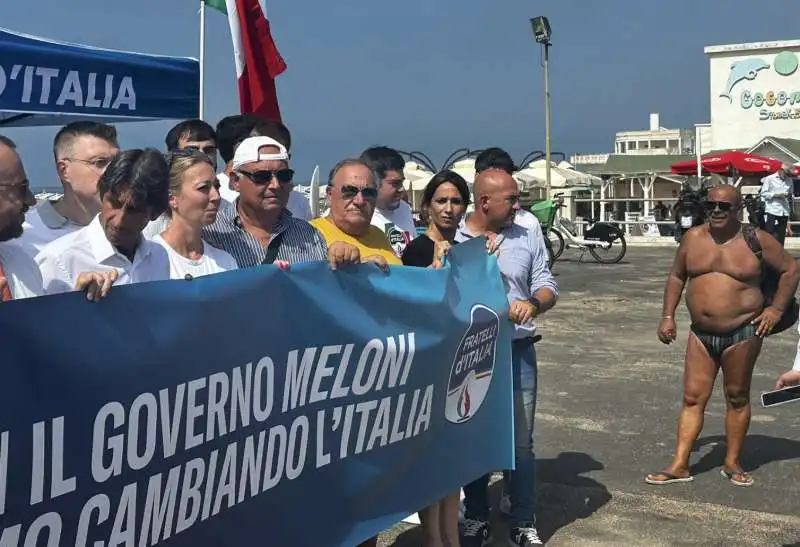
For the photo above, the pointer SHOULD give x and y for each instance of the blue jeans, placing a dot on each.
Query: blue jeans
(522, 480)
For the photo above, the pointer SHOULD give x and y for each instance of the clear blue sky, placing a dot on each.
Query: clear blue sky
(427, 75)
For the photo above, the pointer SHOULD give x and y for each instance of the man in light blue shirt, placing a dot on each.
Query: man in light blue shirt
(531, 291)
(776, 190)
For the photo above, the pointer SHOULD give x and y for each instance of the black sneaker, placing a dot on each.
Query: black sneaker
(524, 537)
(475, 533)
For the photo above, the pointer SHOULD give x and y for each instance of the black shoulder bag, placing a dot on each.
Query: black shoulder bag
(769, 282)
(272, 249)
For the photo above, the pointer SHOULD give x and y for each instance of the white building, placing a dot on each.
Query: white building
(655, 141)
(755, 93)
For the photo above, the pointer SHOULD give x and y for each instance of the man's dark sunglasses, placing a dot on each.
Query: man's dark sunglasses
(723, 206)
(208, 150)
(172, 155)
(284, 176)
(349, 192)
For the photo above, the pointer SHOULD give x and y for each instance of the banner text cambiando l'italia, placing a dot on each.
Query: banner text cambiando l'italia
(284, 428)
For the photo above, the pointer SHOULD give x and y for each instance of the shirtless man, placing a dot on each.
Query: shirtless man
(729, 322)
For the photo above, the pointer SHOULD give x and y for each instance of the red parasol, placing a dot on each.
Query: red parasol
(725, 162)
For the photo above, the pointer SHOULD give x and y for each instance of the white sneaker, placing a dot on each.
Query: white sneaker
(524, 537)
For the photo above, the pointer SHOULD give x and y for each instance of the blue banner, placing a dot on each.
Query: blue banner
(308, 408)
(45, 77)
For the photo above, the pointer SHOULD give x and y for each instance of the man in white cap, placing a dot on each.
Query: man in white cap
(257, 228)
(234, 130)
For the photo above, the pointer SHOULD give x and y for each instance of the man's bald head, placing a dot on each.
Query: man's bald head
(496, 198)
(725, 192)
(10, 162)
(15, 194)
(493, 181)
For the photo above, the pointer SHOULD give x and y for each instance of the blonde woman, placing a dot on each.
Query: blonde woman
(193, 203)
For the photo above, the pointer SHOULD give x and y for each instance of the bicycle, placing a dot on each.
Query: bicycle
(562, 234)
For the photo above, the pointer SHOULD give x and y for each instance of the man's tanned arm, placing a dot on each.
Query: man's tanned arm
(677, 278)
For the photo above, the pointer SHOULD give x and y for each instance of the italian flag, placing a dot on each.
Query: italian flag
(258, 62)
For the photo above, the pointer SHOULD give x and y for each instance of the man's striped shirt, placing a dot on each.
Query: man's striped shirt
(300, 242)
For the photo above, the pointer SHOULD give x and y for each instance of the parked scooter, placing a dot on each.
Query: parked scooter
(688, 211)
(755, 211)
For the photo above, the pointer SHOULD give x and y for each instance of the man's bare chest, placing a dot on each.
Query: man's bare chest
(733, 258)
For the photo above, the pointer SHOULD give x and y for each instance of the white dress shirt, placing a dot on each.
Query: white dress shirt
(42, 225)
(770, 187)
(527, 220)
(21, 271)
(88, 250)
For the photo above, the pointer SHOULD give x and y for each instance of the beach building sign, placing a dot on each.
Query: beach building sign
(53, 87)
(774, 104)
(755, 91)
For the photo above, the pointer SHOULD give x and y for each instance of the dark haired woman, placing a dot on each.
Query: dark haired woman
(444, 202)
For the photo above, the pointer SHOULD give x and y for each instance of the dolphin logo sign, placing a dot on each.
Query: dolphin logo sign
(473, 364)
(743, 70)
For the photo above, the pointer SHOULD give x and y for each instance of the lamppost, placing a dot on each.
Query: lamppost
(541, 32)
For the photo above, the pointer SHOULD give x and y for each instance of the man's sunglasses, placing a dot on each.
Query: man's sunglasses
(349, 191)
(284, 176)
(208, 150)
(173, 155)
(723, 206)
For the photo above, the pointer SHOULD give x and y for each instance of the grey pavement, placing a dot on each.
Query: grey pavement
(609, 396)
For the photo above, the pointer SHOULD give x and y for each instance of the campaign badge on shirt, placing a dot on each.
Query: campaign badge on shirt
(398, 239)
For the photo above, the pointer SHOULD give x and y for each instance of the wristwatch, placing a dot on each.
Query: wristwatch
(535, 301)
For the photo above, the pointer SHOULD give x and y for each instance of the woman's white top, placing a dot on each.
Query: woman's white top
(213, 261)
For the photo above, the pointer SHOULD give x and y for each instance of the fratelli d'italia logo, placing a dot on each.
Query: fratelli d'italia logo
(471, 373)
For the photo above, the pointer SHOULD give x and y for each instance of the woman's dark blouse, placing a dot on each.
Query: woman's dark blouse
(419, 252)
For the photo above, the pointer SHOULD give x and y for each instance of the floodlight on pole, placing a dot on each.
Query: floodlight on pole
(542, 34)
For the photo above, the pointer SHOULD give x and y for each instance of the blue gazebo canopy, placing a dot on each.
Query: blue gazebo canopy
(43, 82)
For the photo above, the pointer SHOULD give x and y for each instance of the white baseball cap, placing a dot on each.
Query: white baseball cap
(248, 151)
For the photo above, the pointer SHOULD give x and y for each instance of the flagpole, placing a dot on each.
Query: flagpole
(202, 54)
(698, 152)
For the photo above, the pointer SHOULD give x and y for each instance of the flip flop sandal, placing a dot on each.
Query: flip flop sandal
(670, 479)
(730, 474)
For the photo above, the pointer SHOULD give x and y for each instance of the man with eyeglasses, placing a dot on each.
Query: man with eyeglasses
(82, 152)
(257, 228)
(19, 275)
(392, 215)
(728, 323)
(193, 135)
(133, 190)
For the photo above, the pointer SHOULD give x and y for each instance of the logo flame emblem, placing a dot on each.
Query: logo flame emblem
(464, 401)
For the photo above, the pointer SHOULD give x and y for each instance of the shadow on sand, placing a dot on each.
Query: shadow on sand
(565, 496)
(758, 450)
